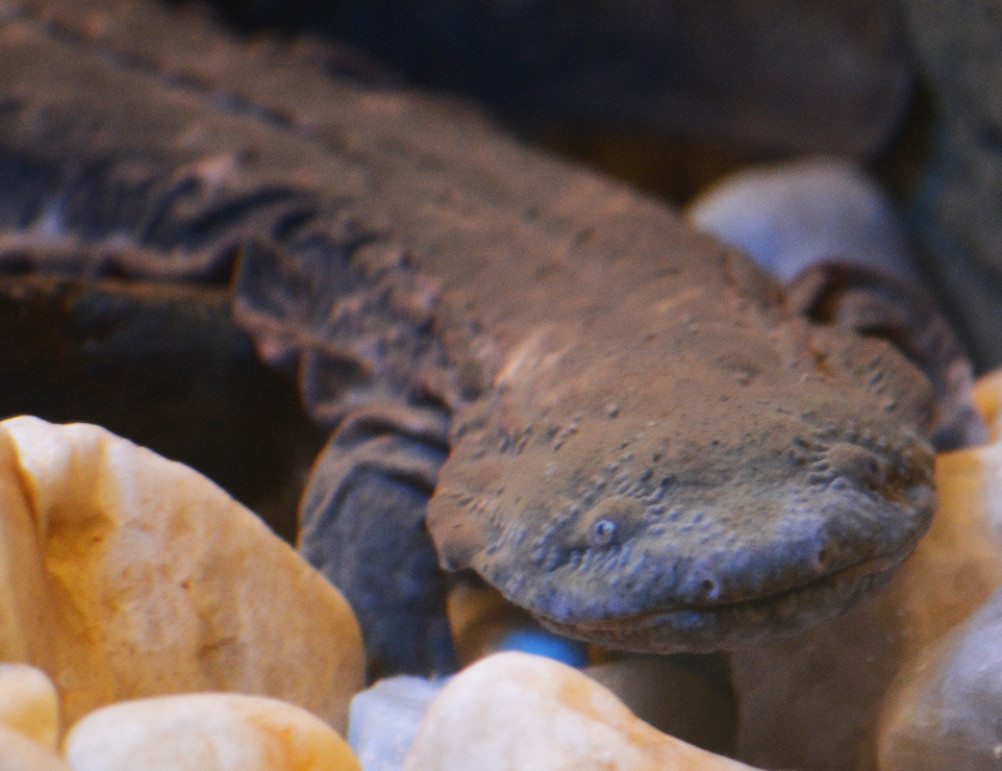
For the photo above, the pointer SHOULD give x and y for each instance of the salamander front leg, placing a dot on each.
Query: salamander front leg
(362, 524)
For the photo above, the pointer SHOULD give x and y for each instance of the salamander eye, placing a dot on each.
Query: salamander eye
(603, 532)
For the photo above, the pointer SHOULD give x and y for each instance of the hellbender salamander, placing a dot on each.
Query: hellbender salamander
(619, 422)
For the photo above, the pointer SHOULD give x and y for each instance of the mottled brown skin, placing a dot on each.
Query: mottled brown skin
(769, 474)
(874, 303)
(647, 447)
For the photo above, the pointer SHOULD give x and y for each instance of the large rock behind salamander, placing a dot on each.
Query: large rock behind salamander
(619, 422)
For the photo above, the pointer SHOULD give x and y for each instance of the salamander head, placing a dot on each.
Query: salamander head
(692, 512)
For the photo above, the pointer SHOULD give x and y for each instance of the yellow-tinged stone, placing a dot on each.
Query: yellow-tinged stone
(20, 753)
(988, 398)
(514, 711)
(29, 703)
(971, 481)
(206, 732)
(124, 575)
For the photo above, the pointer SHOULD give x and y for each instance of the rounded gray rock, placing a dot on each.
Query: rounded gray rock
(946, 710)
(789, 216)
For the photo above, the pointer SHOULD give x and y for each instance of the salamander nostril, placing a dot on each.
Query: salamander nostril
(858, 465)
(709, 587)
(874, 472)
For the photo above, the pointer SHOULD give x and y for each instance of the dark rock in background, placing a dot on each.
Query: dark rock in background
(165, 367)
(956, 205)
(780, 76)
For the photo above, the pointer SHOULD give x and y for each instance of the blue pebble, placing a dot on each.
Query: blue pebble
(543, 643)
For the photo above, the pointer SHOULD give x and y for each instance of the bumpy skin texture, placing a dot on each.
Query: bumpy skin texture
(646, 447)
(877, 304)
(766, 475)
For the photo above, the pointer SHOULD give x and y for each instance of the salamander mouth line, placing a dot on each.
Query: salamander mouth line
(749, 607)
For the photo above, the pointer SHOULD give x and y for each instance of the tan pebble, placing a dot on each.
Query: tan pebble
(971, 480)
(988, 398)
(479, 616)
(19, 753)
(124, 575)
(29, 703)
(206, 732)
(514, 711)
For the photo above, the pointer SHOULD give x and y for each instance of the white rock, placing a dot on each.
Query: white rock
(790, 215)
(514, 711)
(206, 732)
(29, 703)
(384, 720)
(124, 575)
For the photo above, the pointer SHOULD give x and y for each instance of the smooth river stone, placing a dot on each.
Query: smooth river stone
(20, 753)
(946, 709)
(384, 719)
(790, 215)
(988, 396)
(206, 732)
(513, 711)
(29, 703)
(124, 575)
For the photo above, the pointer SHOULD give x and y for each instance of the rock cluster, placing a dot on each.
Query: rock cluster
(224, 731)
(515, 711)
(151, 621)
(125, 576)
